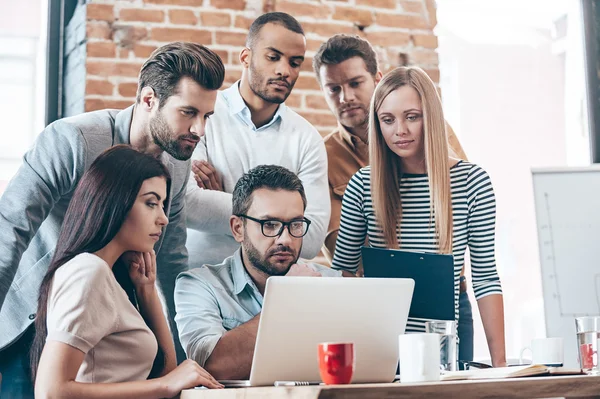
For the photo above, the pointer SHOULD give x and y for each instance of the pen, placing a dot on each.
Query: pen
(295, 383)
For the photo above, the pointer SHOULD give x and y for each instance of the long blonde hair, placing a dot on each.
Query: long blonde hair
(386, 168)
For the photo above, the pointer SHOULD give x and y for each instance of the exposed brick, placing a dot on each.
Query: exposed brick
(98, 30)
(208, 18)
(101, 49)
(128, 89)
(127, 35)
(223, 54)
(357, 16)
(94, 104)
(232, 75)
(423, 57)
(313, 45)
(392, 4)
(232, 38)
(304, 9)
(307, 65)
(427, 41)
(307, 82)
(432, 13)
(316, 102)
(434, 74)
(412, 6)
(401, 21)
(123, 52)
(245, 22)
(143, 50)
(294, 100)
(141, 15)
(229, 4)
(191, 3)
(175, 34)
(100, 12)
(388, 39)
(328, 29)
(322, 119)
(183, 17)
(98, 87)
(107, 68)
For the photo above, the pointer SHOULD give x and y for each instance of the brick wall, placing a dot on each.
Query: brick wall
(122, 33)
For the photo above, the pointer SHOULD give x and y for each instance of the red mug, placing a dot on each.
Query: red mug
(336, 362)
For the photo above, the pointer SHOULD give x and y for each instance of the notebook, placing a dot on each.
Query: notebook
(507, 372)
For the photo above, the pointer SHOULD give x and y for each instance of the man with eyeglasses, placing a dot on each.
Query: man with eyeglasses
(218, 307)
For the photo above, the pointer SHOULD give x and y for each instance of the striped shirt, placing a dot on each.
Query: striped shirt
(474, 218)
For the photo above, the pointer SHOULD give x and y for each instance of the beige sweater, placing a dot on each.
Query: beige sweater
(88, 310)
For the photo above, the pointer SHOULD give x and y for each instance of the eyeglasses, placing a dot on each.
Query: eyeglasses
(274, 228)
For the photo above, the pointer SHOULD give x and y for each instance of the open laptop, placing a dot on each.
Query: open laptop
(433, 297)
(301, 312)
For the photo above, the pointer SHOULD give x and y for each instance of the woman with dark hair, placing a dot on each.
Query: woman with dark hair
(100, 327)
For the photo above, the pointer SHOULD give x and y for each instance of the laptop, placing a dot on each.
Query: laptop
(300, 312)
(433, 297)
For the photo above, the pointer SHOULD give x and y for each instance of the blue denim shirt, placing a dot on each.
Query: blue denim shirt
(211, 300)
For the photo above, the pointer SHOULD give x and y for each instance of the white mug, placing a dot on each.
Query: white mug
(419, 357)
(548, 351)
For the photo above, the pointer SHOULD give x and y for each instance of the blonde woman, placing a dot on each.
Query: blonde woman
(414, 196)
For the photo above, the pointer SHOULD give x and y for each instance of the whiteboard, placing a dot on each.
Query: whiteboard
(567, 207)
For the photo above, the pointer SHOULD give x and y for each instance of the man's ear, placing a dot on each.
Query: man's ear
(236, 224)
(378, 77)
(148, 98)
(245, 56)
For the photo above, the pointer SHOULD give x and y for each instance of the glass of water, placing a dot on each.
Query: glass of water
(448, 342)
(588, 335)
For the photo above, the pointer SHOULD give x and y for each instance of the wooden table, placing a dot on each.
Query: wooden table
(533, 387)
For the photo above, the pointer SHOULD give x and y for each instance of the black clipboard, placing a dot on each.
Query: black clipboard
(433, 296)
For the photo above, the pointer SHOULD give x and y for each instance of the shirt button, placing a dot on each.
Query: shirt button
(32, 316)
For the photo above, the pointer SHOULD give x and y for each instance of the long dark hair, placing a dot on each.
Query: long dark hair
(103, 198)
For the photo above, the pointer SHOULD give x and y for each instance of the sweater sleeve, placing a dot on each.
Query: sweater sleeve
(353, 226)
(481, 226)
(206, 210)
(313, 174)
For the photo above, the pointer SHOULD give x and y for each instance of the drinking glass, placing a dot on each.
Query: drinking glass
(588, 334)
(448, 342)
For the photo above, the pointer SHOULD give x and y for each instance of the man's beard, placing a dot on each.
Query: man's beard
(162, 135)
(357, 123)
(262, 89)
(262, 264)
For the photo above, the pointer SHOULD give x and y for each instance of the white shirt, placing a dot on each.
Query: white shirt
(233, 145)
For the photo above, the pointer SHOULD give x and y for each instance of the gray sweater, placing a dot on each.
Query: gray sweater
(35, 201)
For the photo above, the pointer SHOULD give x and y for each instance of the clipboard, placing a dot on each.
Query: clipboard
(433, 296)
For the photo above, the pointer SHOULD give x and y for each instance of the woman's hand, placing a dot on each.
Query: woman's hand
(188, 375)
(142, 270)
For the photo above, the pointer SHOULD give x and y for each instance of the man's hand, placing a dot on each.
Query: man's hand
(206, 176)
(302, 270)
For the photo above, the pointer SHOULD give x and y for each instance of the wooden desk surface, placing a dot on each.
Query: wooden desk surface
(533, 387)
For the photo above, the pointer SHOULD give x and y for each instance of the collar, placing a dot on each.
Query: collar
(237, 106)
(348, 137)
(123, 125)
(240, 276)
